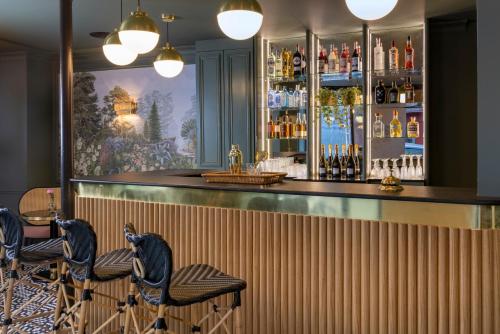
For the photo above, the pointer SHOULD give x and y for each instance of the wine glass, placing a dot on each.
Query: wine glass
(395, 168)
(376, 168)
(386, 171)
(419, 171)
(404, 167)
(411, 168)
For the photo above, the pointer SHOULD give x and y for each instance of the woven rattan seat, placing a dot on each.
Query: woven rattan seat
(195, 284)
(116, 264)
(42, 252)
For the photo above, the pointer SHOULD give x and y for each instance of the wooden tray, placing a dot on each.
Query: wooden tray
(244, 178)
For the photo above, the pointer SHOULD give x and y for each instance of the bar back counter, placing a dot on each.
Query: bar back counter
(318, 257)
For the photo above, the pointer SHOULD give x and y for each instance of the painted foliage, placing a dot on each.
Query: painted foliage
(131, 120)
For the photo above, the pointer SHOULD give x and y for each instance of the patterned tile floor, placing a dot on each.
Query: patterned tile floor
(44, 303)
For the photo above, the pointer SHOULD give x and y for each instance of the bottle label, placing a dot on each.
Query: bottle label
(379, 60)
(380, 95)
(350, 171)
(355, 64)
(322, 170)
(409, 59)
(270, 67)
(393, 60)
(297, 64)
(343, 65)
(336, 171)
(270, 100)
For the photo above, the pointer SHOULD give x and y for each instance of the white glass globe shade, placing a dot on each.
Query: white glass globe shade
(240, 24)
(168, 68)
(371, 9)
(139, 41)
(118, 54)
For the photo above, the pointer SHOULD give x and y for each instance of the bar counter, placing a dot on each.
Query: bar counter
(317, 257)
(436, 206)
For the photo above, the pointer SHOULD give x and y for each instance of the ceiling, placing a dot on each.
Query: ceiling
(35, 23)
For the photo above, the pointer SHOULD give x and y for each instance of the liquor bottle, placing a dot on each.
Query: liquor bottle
(303, 97)
(287, 126)
(297, 63)
(343, 162)
(284, 97)
(322, 162)
(344, 59)
(332, 59)
(393, 93)
(395, 126)
(380, 93)
(348, 53)
(290, 99)
(325, 61)
(303, 62)
(277, 98)
(336, 164)
(409, 55)
(284, 128)
(329, 162)
(321, 61)
(277, 128)
(393, 57)
(304, 127)
(413, 128)
(296, 96)
(378, 126)
(409, 91)
(290, 64)
(298, 126)
(284, 57)
(278, 66)
(357, 162)
(350, 167)
(355, 59)
(360, 58)
(271, 65)
(379, 56)
(270, 127)
(271, 98)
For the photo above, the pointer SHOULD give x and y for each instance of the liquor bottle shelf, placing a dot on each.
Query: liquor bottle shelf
(287, 139)
(399, 73)
(289, 109)
(412, 105)
(341, 79)
(299, 80)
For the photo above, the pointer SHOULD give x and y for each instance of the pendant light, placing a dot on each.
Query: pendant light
(139, 32)
(369, 10)
(240, 19)
(169, 62)
(113, 49)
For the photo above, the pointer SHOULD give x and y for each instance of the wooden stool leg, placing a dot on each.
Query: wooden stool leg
(237, 320)
(160, 320)
(130, 307)
(8, 297)
(84, 307)
(60, 297)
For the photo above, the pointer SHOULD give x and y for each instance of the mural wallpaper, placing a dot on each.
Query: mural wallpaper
(132, 120)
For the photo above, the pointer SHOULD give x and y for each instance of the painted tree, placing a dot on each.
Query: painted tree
(86, 115)
(165, 106)
(154, 124)
(147, 133)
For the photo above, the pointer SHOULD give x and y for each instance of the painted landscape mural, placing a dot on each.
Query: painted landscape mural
(132, 120)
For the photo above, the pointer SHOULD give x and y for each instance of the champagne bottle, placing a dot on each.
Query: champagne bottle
(322, 162)
(350, 167)
(329, 162)
(343, 162)
(336, 164)
(357, 162)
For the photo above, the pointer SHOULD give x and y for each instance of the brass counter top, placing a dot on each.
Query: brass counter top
(451, 207)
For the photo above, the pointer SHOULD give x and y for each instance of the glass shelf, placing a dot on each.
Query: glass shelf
(399, 73)
(287, 139)
(290, 109)
(341, 79)
(412, 105)
(300, 80)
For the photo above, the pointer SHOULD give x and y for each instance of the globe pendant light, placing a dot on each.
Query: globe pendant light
(139, 32)
(115, 52)
(369, 10)
(240, 19)
(169, 62)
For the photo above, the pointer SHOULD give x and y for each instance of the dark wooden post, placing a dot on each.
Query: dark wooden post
(66, 106)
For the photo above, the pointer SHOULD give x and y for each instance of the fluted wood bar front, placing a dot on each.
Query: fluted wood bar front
(315, 274)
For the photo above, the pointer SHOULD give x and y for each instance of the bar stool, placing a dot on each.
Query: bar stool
(160, 287)
(36, 257)
(80, 245)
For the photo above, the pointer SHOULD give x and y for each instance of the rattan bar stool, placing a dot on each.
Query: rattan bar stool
(161, 287)
(25, 263)
(81, 263)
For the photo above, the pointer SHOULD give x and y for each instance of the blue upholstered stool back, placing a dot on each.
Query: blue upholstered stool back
(11, 233)
(80, 246)
(153, 262)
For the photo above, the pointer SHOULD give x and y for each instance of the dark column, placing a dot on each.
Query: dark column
(488, 74)
(66, 106)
